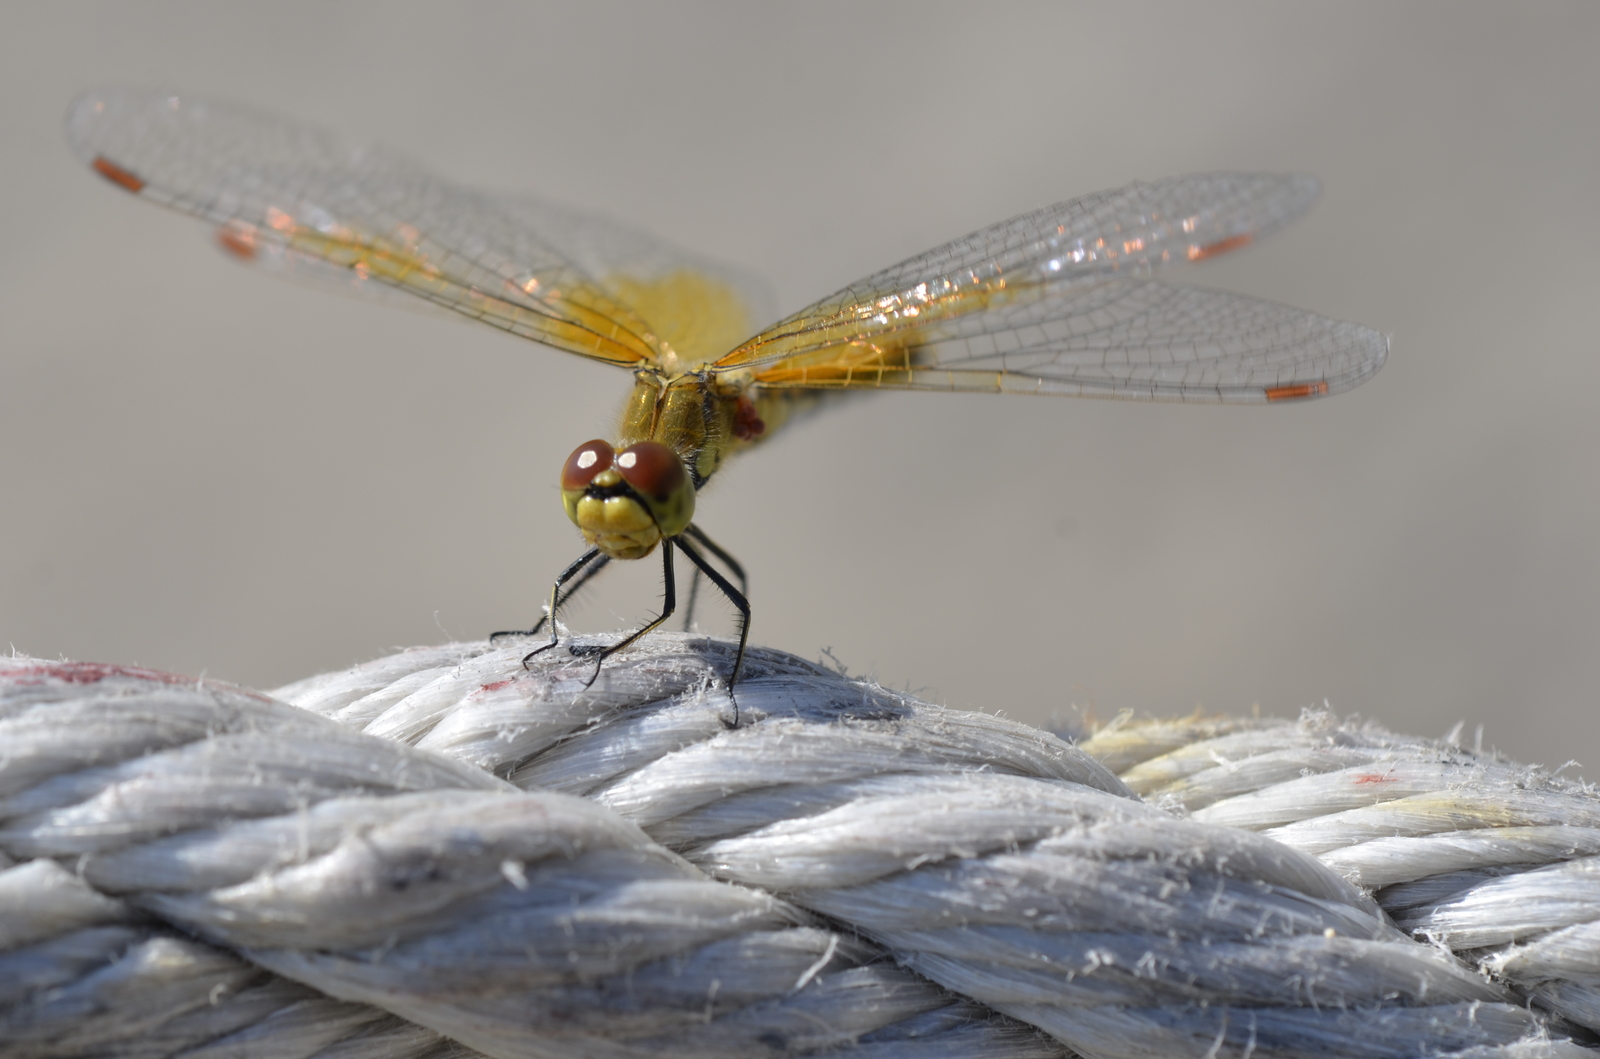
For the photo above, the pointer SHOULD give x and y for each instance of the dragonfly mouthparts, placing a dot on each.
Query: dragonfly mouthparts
(605, 492)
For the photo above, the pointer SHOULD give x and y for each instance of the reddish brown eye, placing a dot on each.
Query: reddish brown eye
(587, 460)
(652, 469)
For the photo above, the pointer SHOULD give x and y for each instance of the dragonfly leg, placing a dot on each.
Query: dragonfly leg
(716, 549)
(734, 596)
(669, 604)
(567, 593)
(557, 597)
(727, 560)
(694, 594)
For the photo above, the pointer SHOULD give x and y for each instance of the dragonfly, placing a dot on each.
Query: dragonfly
(1072, 299)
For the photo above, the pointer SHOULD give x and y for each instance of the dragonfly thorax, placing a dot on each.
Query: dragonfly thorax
(625, 502)
(703, 417)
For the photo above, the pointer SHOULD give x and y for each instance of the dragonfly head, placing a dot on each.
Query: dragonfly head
(625, 502)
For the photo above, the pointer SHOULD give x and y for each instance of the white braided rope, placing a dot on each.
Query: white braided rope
(848, 871)
(1494, 860)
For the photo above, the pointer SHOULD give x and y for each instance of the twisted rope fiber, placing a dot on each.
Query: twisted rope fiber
(460, 854)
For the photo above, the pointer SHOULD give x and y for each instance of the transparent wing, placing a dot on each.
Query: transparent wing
(700, 307)
(293, 198)
(1062, 300)
(1136, 339)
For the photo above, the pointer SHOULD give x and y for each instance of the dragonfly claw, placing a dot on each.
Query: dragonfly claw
(536, 651)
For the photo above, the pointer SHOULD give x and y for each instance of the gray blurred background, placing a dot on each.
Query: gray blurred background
(211, 471)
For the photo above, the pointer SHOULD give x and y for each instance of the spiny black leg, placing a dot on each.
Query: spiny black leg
(727, 560)
(669, 604)
(737, 599)
(573, 589)
(555, 600)
(566, 597)
(694, 594)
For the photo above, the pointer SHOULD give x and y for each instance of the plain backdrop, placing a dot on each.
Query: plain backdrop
(210, 471)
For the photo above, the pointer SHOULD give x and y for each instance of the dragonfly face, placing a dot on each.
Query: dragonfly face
(626, 502)
(1071, 299)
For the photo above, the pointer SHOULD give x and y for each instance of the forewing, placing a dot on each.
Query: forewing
(700, 307)
(1129, 338)
(1061, 300)
(293, 198)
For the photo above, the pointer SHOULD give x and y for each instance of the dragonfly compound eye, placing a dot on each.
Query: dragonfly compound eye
(660, 479)
(586, 463)
(653, 470)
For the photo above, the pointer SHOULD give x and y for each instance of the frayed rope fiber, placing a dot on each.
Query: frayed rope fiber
(441, 853)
